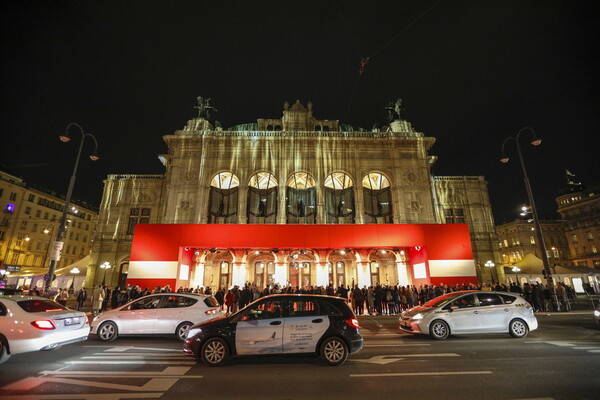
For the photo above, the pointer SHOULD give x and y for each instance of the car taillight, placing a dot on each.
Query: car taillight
(353, 322)
(211, 312)
(43, 324)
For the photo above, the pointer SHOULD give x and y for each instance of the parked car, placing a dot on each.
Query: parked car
(279, 324)
(470, 312)
(29, 323)
(156, 314)
(597, 314)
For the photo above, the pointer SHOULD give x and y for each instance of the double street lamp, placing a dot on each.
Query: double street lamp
(535, 141)
(60, 231)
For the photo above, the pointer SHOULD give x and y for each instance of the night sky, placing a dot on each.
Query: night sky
(470, 73)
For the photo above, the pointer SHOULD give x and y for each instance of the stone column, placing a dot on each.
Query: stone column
(242, 204)
(359, 210)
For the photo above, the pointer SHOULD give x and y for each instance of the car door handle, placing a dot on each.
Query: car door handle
(316, 321)
(506, 310)
(475, 312)
(275, 323)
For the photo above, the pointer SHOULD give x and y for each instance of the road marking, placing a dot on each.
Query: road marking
(169, 371)
(101, 396)
(422, 374)
(396, 345)
(154, 384)
(132, 362)
(140, 354)
(125, 348)
(134, 355)
(386, 359)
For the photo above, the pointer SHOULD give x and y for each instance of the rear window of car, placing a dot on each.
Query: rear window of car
(327, 308)
(507, 299)
(40, 306)
(211, 302)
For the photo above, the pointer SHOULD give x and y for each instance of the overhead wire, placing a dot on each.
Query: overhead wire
(364, 60)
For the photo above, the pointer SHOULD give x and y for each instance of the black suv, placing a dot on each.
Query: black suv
(279, 324)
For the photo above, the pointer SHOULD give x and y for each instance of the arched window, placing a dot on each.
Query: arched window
(377, 196)
(318, 128)
(301, 199)
(264, 273)
(339, 199)
(262, 199)
(269, 127)
(223, 198)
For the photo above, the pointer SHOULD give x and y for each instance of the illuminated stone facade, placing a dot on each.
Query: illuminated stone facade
(296, 169)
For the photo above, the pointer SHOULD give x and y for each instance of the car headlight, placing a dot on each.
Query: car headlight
(597, 313)
(193, 332)
(417, 316)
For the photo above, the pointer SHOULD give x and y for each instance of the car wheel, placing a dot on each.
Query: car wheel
(334, 351)
(214, 352)
(439, 330)
(107, 332)
(182, 330)
(3, 352)
(518, 328)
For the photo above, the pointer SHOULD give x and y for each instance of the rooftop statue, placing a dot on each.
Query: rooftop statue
(394, 109)
(204, 108)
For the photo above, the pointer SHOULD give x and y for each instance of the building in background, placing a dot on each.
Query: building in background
(294, 170)
(28, 224)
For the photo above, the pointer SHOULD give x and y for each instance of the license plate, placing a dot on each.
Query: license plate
(71, 321)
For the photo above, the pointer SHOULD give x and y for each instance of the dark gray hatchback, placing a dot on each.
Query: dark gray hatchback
(279, 324)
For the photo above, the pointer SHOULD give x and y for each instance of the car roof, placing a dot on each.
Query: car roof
(317, 296)
(16, 297)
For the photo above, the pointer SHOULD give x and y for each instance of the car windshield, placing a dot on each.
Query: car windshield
(441, 300)
(33, 306)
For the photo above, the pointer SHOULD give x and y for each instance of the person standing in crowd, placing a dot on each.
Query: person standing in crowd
(62, 296)
(81, 298)
(97, 298)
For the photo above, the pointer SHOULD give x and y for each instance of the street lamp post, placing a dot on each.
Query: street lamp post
(105, 266)
(490, 264)
(60, 231)
(535, 141)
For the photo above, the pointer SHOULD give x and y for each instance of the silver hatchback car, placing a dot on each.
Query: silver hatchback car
(471, 312)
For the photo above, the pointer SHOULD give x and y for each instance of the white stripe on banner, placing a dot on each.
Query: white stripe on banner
(442, 268)
(152, 270)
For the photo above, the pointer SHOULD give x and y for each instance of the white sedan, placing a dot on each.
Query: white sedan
(471, 312)
(29, 323)
(156, 314)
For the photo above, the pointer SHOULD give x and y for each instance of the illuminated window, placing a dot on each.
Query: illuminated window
(531, 240)
(339, 198)
(340, 273)
(299, 273)
(262, 199)
(301, 199)
(224, 273)
(377, 198)
(223, 198)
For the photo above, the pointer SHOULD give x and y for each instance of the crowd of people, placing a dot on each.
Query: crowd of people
(378, 299)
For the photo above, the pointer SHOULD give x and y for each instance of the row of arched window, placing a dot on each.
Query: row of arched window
(300, 198)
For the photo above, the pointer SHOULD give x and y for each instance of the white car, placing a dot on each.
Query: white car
(471, 312)
(156, 314)
(29, 323)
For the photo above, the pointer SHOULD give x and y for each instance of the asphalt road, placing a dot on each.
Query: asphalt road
(561, 360)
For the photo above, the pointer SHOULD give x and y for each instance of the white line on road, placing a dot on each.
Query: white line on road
(133, 362)
(140, 354)
(125, 348)
(99, 396)
(396, 345)
(132, 355)
(422, 374)
(168, 371)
